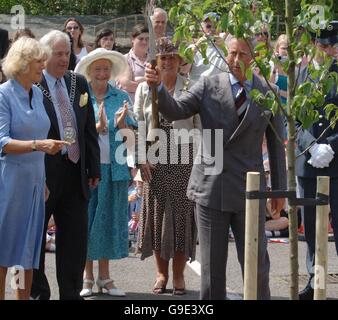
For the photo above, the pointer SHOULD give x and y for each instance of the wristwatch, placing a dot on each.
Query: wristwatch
(34, 145)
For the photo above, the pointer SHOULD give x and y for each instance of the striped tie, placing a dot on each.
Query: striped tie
(67, 121)
(240, 98)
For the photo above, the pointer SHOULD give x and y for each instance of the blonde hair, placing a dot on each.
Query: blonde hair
(281, 38)
(21, 54)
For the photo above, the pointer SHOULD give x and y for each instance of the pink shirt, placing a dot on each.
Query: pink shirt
(137, 67)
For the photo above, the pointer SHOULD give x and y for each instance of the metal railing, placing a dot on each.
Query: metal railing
(121, 26)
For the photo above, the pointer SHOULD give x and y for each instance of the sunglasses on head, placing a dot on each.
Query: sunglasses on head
(264, 33)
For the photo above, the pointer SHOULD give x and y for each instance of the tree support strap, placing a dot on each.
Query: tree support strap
(320, 200)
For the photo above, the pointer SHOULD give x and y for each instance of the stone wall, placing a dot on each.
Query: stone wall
(40, 25)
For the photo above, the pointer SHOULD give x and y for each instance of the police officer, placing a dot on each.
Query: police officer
(322, 158)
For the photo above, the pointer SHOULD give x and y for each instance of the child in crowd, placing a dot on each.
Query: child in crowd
(134, 205)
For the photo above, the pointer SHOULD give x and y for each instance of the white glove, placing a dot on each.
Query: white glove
(321, 155)
(317, 163)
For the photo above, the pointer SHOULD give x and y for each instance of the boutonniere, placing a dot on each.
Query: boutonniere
(83, 99)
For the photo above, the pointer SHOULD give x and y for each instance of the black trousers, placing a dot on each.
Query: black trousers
(307, 189)
(69, 208)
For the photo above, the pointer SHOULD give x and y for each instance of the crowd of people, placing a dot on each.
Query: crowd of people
(66, 113)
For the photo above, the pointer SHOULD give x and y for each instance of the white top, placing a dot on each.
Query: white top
(103, 141)
(216, 64)
(82, 54)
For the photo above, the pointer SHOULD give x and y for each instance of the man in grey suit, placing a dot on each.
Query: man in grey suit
(222, 102)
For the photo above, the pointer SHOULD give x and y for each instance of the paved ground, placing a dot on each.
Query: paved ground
(136, 277)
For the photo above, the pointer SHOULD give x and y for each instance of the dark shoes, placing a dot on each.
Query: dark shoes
(178, 291)
(306, 293)
(179, 288)
(160, 288)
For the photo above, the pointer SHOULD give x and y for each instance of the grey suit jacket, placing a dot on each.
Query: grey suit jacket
(241, 147)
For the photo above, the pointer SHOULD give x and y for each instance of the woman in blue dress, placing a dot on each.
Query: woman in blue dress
(24, 126)
(108, 205)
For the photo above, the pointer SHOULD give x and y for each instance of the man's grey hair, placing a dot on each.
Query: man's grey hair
(53, 36)
(250, 41)
(160, 11)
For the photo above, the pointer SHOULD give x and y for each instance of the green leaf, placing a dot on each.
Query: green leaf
(305, 38)
(224, 22)
(257, 96)
(304, 88)
(249, 74)
(181, 49)
(189, 54)
(329, 108)
(260, 46)
(173, 13)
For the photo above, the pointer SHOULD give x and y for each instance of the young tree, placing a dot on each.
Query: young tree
(245, 18)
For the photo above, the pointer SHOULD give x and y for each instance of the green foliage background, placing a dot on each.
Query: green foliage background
(105, 7)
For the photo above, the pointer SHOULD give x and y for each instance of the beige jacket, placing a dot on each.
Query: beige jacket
(142, 108)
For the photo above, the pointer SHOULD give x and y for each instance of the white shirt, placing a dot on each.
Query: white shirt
(82, 54)
(215, 66)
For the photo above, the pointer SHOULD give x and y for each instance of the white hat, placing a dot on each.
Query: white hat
(118, 60)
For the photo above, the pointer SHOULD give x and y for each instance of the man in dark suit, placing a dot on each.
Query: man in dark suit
(4, 42)
(223, 103)
(70, 173)
(322, 158)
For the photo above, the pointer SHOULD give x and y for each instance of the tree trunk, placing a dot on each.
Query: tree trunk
(292, 210)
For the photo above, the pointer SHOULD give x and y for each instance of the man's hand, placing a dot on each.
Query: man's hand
(277, 205)
(93, 182)
(152, 76)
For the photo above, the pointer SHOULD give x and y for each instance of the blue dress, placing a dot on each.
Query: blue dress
(22, 177)
(108, 204)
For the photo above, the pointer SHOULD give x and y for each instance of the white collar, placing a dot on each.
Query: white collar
(51, 80)
(233, 79)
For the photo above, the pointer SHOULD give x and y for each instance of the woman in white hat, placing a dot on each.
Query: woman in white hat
(108, 204)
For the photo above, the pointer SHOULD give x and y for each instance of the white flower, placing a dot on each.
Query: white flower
(83, 99)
